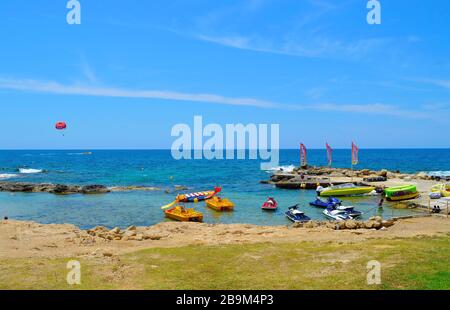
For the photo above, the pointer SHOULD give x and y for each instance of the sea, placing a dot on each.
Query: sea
(240, 180)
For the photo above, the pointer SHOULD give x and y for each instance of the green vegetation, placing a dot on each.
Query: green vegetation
(418, 263)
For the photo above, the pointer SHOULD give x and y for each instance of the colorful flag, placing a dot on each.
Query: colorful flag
(329, 155)
(355, 151)
(303, 155)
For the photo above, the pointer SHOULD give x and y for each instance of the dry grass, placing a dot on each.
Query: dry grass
(413, 263)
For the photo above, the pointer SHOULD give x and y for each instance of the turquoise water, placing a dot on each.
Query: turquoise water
(239, 179)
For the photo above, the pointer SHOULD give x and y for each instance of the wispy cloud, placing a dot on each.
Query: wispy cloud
(89, 73)
(440, 83)
(50, 87)
(316, 47)
(304, 33)
(86, 90)
(376, 109)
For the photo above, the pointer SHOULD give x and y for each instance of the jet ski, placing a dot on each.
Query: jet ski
(296, 215)
(270, 205)
(322, 203)
(350, 210)
(338, 215)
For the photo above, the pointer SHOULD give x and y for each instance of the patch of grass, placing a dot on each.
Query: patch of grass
(51, 274)
(417, 263)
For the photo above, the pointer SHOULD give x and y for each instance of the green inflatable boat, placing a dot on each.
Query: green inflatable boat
(403, 192)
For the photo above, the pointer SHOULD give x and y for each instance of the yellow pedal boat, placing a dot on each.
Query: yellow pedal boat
(444, 189)
(219, 204)
(182, 214)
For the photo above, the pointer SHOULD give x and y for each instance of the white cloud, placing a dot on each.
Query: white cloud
(56, 88)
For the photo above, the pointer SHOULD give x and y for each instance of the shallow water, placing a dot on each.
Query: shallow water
(239, 178)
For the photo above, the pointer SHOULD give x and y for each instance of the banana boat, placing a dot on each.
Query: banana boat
(404, 192)
(194, 197)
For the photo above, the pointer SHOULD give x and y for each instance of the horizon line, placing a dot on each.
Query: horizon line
(168, 149)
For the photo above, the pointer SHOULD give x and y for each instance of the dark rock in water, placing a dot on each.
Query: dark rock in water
(181, 188)
(281, 177)
(94, 189)
(58, 189)
(62, 189)
(16, 187)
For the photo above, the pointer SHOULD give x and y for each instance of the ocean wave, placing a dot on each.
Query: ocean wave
(7, 176)
(288, 169)
(30, 171)
(442, 174)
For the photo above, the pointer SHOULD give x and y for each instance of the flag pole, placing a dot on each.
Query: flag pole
(352, 164)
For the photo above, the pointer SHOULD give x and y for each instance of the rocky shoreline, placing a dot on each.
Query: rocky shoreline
(134, 233)
(62, 189)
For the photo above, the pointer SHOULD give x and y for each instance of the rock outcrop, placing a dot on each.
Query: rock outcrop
(309, 177)
(63, 189)
(373, 223)
(132, 233)
(58, 189)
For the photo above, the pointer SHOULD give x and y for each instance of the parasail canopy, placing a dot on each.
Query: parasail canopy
(61, 126)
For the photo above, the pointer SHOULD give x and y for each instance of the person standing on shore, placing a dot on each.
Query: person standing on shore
(380, 203)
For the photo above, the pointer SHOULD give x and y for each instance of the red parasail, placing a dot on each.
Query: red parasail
(61, 126)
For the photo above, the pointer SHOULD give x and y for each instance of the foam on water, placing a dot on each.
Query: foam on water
(441, 174)
(30, 171)
(7, 176)
(289, 168)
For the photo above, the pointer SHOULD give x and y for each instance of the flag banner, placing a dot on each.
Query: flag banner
(303, 155)
(329, 155)
(355, 151)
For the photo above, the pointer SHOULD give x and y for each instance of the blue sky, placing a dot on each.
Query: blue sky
(135, 68)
